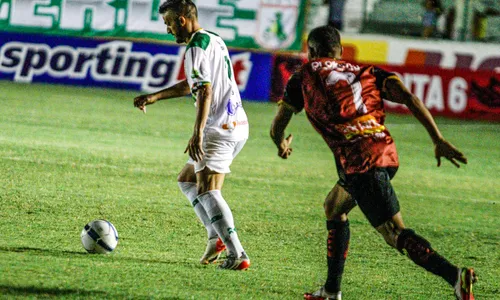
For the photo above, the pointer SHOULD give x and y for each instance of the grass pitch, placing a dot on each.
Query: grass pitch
(71, 155)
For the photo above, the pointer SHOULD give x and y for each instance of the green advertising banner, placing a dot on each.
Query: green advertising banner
(251, 24)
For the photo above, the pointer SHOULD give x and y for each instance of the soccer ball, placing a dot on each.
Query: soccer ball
(99, 236)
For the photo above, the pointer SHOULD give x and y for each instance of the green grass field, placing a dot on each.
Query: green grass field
(70, 155)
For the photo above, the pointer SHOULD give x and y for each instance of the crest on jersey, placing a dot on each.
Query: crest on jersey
(277, 22)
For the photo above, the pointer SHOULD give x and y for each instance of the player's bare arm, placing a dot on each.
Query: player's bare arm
(203, 102)
(397, 92)
(280, 123)
(175, 91)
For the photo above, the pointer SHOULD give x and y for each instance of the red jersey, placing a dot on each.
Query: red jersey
(344, 103)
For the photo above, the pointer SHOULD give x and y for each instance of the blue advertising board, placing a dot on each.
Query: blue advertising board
(121, 64)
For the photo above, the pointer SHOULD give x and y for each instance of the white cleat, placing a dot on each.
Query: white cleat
(233, 263)
(215, 246)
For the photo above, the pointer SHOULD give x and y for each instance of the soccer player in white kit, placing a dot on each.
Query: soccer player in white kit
(220, 130)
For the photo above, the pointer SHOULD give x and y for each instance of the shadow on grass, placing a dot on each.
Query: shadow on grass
(41, 292)
(41, 251)
(65, 253)
(48, 292)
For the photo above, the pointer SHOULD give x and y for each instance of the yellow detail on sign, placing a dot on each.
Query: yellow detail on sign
(365, 51)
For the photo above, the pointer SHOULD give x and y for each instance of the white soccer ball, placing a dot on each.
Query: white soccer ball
(99, 236)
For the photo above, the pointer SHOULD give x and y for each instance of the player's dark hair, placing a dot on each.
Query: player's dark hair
(184, 8)
(323, 39)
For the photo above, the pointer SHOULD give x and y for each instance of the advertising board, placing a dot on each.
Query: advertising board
(250, 24)
(117, 64)
(457, 93)
(452, 93)
(419, 53)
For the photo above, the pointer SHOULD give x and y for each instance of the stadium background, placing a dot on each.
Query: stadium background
(73, 149)
(78, 43)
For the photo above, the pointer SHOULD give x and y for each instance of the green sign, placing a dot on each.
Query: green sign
(253, 24)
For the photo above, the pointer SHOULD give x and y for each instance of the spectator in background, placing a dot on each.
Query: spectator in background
(336, 17)
(449, 24)
(433, 9)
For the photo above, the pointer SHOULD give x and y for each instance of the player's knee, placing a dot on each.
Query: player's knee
(389, 238)
(328, 207)
(183, 177)
(333, 212)
(337, 206)
(187, 174)
(390, 232)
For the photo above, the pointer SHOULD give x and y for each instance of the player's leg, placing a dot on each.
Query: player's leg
(210, 174)
(187, 184)
(419, 250)
(391, 229)
(378, 201)
(337, 205)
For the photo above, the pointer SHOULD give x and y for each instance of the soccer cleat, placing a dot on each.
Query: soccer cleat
(215, 246)
(233, 263)
(322, 294)
(463, 287)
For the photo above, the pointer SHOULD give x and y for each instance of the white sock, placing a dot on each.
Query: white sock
(222, 220)
(190, 191)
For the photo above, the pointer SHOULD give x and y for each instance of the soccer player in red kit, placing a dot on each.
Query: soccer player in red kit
(344, 103)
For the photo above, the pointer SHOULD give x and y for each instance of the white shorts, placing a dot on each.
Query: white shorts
(218, 156)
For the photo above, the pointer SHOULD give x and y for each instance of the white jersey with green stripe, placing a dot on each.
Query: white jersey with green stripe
(207, 62)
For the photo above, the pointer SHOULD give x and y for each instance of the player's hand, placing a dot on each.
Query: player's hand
(444, 149)
(141, 101)
(284, 150)
(195, 147)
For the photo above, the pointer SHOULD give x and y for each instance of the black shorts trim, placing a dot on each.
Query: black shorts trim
(373, 193)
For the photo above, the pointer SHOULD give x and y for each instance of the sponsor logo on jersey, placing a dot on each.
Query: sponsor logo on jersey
(364, 126)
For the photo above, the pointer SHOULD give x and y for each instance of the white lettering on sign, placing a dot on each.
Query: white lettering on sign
(457, 94)
(102, 15)
(112, 62)
(434, 93)
(142, 16)
(435, 97)
(92, 14)
(281, 2)
(418, 83)
(26, 13)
